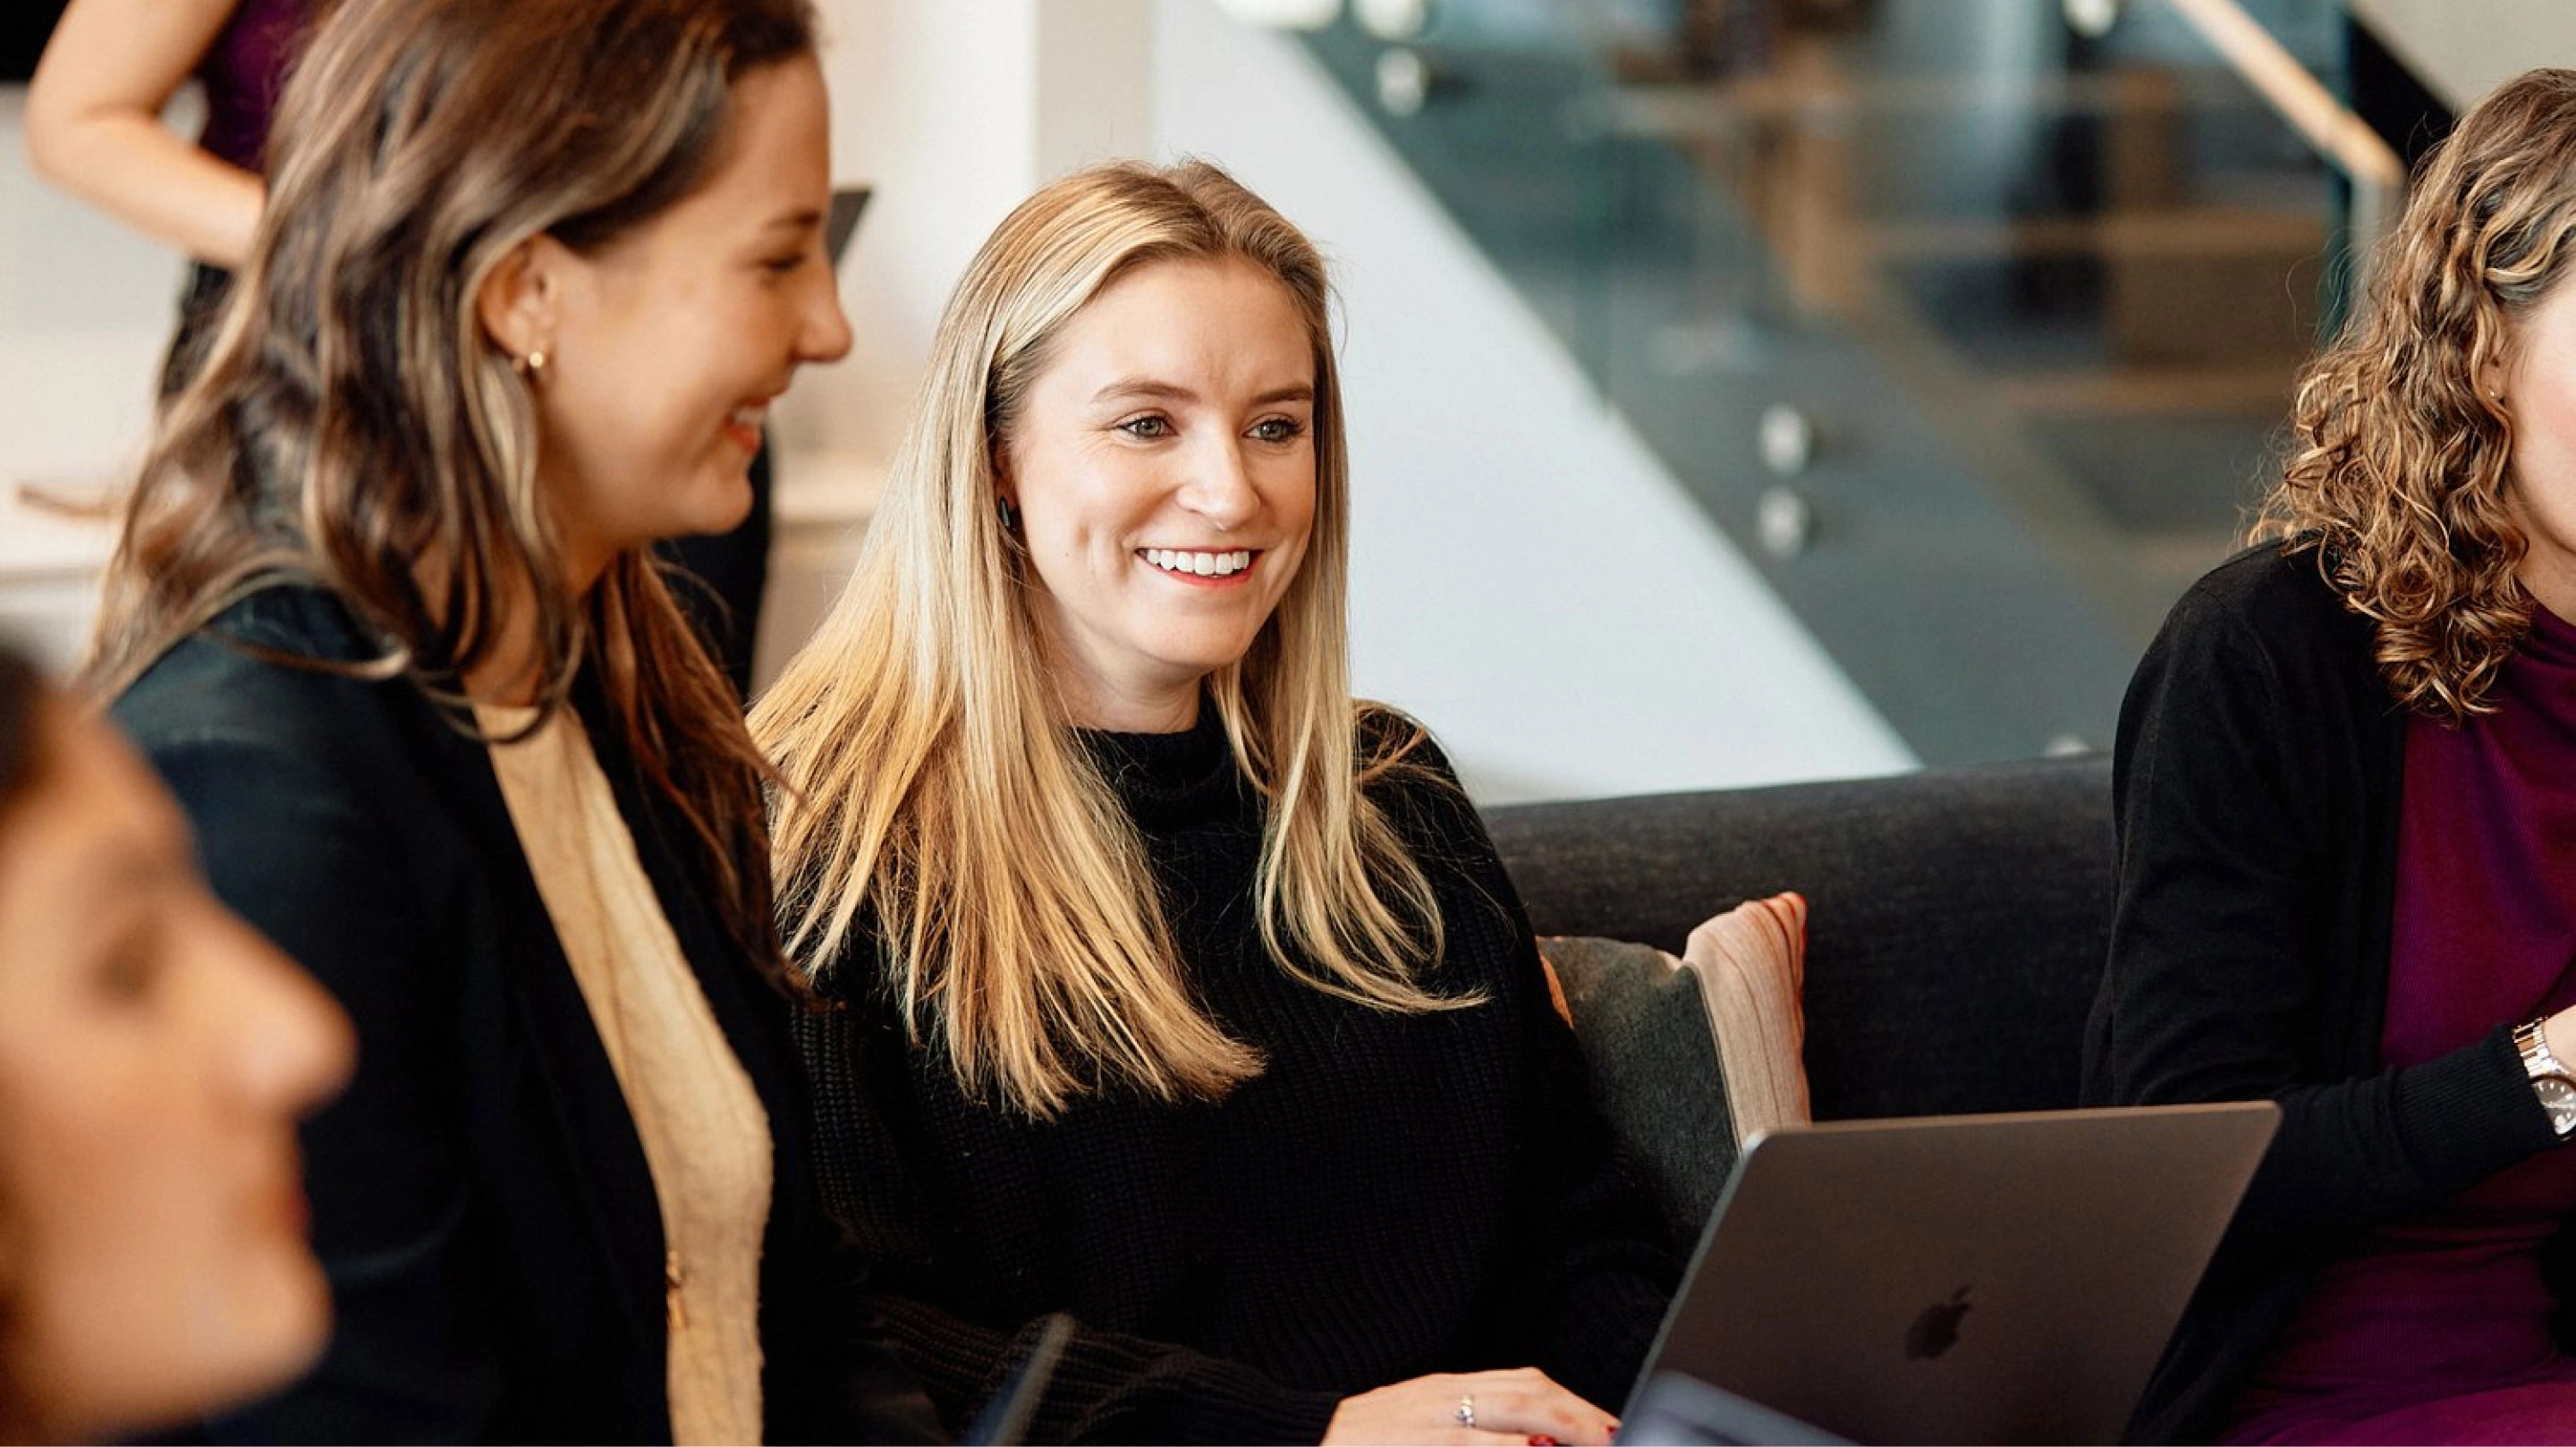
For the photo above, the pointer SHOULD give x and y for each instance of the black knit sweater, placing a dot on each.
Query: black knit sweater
(1393, 1195)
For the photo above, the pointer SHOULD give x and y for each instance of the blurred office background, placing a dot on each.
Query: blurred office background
(1740, 390)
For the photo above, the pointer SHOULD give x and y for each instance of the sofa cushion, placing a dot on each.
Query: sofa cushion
(1960, 915)
(1689, 1057)
(1749, 961)
(1639, 1016)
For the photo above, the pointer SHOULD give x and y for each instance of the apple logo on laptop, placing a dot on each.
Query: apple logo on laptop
(1937, 1329)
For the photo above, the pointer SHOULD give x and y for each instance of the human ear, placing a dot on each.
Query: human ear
(521, 298)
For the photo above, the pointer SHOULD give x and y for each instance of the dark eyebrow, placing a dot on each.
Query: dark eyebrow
(805, 220)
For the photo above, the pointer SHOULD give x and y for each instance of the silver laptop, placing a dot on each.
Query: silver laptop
(1984, 1278)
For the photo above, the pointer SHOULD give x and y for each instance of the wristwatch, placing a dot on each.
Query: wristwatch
(2551, 1080)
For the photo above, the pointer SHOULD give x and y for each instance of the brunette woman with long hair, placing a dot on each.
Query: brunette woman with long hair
(1179, 990)
(2346, 781)
(384, 615)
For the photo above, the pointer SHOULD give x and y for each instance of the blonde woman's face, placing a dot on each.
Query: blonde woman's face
(154, 1056)
(1163, 468)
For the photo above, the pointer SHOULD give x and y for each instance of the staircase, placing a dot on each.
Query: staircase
(1973, 321)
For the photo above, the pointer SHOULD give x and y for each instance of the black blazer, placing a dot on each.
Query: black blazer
(480, 1198)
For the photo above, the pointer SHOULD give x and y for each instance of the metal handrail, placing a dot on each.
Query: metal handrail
(2344, 139)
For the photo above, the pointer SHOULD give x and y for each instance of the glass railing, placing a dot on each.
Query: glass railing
(1973, 321)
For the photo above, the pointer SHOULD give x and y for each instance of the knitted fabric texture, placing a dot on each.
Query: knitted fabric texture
(1393, 1195)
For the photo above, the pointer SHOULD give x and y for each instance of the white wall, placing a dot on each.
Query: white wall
(954, 111)
(85, 308)
(2462, 50)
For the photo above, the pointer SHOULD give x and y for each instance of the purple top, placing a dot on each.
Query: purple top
(243, 71)
(2437, 1328)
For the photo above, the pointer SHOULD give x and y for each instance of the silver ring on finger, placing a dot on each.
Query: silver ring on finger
(1466, 1413)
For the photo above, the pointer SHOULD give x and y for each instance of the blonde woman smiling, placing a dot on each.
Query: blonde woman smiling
(1178, 990)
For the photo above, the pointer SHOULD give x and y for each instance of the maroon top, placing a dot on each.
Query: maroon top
(2436, 1329)
(243, 71)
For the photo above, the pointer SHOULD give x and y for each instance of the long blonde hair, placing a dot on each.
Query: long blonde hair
(931, 781)
(352, 417)
(2401, 460)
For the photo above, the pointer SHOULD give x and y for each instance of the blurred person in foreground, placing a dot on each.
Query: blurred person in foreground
(154, 1056)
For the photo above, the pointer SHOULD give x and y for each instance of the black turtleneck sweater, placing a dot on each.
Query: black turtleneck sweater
(1394, 1195)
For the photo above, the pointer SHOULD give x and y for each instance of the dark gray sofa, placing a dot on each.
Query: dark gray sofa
(1957, 928)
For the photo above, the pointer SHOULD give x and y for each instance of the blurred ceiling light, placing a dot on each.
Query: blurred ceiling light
(1393, 19)
(1284, 14)
(1403, 82)
(2092, 19)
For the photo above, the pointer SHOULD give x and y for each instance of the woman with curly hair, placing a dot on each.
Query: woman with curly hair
(2346, 798)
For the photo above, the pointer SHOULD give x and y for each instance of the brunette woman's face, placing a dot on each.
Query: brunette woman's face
(666, 347)
(154, 1056)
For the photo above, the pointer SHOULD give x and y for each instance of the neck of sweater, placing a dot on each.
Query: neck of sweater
(1171, 779)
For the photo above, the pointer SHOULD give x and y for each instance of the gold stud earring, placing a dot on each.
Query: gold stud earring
(532, 367)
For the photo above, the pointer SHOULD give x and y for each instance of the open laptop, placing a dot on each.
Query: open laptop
(1986, 1278)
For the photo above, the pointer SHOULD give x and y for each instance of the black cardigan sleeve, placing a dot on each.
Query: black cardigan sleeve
(293, 848)
(2248, 941)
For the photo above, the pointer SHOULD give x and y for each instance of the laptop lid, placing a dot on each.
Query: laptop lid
(1995, 1278)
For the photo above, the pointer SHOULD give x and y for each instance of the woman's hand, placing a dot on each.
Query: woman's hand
(2558, 1032)
(1520, 1405)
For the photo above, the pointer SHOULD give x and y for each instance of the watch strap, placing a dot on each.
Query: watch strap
(2550, 1078)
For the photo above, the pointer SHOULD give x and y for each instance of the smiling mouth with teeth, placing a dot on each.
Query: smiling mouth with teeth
(1203, 565)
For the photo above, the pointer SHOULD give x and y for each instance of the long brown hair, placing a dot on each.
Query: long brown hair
(2400, 466)
(933, 782)
(353, 417)
(21, 696)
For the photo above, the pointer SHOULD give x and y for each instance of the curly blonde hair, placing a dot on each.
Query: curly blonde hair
(2400, 466)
